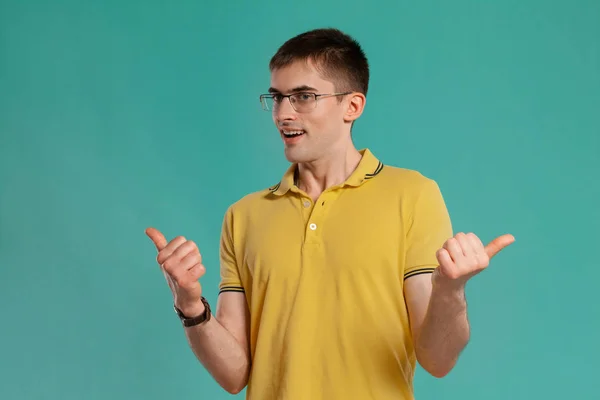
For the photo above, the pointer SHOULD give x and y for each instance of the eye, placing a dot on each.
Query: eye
(277, 98)
(305, 96)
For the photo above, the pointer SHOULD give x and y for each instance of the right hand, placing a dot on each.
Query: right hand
(181, 263)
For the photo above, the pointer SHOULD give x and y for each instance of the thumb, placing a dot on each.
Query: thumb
(158, 238)
(498, 244)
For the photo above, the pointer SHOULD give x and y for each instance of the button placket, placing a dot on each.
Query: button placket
(308, 211)
(315, 218)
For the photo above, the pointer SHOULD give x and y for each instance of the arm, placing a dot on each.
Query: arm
(436, 301)
(221, 344)
(437, 305)
(439, 323)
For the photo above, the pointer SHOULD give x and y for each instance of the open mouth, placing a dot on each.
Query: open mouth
(292, 134)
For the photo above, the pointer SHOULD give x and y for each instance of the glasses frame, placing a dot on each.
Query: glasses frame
(317, 96)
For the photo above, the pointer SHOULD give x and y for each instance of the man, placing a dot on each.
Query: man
(339, 278)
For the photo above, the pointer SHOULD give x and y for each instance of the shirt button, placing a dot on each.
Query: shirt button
(313, 226)
(306, 203)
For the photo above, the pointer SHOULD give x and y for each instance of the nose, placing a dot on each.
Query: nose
(284, 111)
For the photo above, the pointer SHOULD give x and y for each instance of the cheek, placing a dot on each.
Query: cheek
(324, 122)
(329, 125)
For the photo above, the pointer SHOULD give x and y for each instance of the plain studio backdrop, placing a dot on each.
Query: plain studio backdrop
(118, 115)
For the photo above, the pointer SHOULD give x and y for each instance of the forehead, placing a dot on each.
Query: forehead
(298, 75)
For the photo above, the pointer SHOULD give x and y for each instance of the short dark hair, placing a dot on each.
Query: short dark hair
(336, 55)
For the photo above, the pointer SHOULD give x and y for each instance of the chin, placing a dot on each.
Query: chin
(296, 155)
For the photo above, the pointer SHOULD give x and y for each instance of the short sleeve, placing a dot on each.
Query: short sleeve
(230, 275)
(429, 227)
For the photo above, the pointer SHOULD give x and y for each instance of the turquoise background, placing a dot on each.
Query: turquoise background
(118, 115)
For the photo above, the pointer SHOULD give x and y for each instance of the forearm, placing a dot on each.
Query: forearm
(220, 353)
(445, 331)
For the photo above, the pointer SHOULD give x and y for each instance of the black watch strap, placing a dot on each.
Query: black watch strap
(193, 321)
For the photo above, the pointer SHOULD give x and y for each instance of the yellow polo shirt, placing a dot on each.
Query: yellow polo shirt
(324, 281)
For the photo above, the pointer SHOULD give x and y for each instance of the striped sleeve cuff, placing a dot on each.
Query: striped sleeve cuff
(231, 289)
(419, 271)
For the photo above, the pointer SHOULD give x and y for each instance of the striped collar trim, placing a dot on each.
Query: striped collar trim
(368, 168)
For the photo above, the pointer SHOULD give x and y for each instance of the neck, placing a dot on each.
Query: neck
(316, 176)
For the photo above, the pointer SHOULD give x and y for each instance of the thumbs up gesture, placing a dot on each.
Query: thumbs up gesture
(181, 263)
(464, 256)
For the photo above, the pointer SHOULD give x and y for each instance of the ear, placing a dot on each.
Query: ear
(356, 104)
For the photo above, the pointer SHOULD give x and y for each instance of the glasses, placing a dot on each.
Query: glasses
(302, 102)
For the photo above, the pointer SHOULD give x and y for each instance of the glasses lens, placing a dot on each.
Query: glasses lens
(267, 103)
(303, 102)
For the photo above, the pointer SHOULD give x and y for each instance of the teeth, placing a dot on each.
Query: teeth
(293, 133)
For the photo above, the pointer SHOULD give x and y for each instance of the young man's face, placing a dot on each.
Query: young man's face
(324, 128)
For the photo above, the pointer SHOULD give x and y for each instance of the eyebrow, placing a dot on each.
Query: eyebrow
(303, 88)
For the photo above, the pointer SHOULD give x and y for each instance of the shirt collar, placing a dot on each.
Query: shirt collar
(368, 167)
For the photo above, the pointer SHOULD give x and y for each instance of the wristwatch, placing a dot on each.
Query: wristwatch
(192, 321)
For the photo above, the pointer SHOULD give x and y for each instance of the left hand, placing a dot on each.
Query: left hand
(464, 256)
